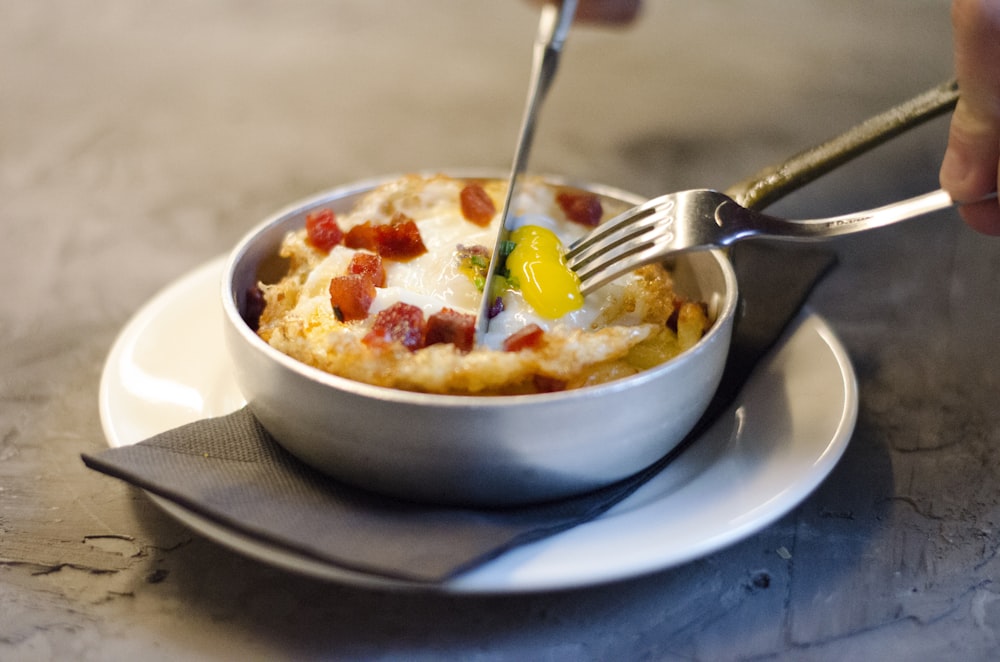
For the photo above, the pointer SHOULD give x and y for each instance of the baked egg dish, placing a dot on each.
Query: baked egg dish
(388, 294)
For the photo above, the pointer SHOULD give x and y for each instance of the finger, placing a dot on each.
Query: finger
(608, 12)
(969, 169)
(982, 217)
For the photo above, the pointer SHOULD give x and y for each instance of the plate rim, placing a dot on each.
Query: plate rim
(479, 580)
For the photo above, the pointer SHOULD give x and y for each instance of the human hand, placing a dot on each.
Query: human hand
(970, 166)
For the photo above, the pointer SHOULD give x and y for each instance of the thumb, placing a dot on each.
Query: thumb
(969, 169)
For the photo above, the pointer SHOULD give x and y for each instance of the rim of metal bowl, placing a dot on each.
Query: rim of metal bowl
(386, 393)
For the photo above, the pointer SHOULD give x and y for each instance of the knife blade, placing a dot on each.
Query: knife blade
(553, 26)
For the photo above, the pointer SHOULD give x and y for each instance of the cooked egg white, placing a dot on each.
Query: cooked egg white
(586, 345)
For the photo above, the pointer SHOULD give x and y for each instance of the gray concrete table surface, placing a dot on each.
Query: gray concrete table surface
(139, 139)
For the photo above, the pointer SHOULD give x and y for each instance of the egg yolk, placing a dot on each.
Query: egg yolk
(537, 265)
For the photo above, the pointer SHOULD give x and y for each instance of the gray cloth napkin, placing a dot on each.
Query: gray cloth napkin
(230, 470)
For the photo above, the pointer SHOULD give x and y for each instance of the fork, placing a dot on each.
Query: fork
(703, 218)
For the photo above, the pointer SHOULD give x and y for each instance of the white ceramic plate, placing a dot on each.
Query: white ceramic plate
(784, 434)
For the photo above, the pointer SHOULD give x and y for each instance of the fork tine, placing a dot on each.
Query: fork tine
(622, 244)
(608, 232)
(619, 231)
(621, 260)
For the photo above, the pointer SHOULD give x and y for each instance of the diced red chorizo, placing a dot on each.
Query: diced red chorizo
(253, 306)
(477, 205)
(451, 326)
(351, 296)
(400, 322)
(368, 265)
(580, 207)
(399, 239)
(322, 229)
(361, 236)
(527, 338)
(544, 384)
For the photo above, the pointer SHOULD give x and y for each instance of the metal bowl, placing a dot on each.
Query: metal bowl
(472, 450)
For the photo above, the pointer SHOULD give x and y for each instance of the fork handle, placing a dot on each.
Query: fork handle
(739, 222)
(774, 182)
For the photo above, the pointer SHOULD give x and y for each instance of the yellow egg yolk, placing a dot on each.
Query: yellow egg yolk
(537, 265)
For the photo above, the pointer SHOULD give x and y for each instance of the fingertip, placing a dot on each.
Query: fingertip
(983, 217)
(969, 165)
(954, 172)
(608, 12)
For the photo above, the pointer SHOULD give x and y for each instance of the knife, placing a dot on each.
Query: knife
(553, 27)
